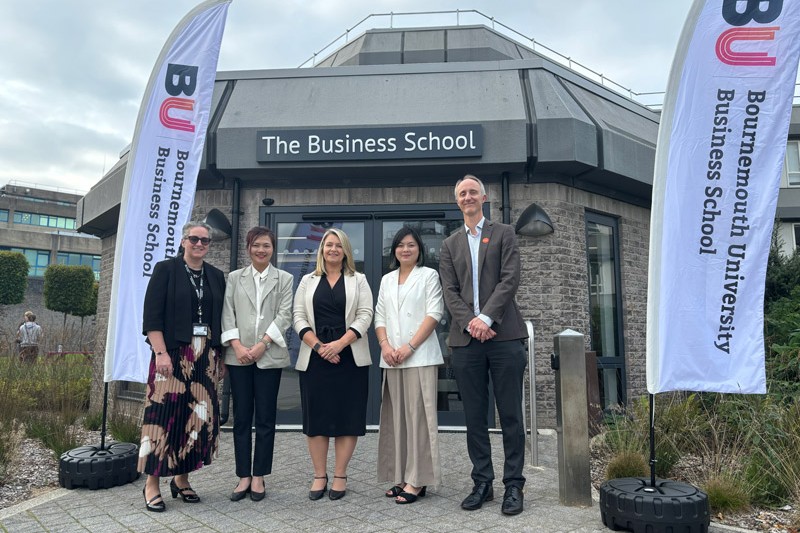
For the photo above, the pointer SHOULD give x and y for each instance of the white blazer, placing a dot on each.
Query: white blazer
(358, 314)
(402, 316)
(273, 314)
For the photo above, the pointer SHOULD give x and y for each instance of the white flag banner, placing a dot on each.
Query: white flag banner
(721, 145)
(161, 178)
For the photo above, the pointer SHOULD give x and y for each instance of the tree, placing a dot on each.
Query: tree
(89, 308)
(68, 289)
(13, 278)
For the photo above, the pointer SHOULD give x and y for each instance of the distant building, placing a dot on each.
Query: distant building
(39, 222)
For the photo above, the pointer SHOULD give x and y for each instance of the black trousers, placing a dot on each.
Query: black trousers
(505, 361)
(255, 402)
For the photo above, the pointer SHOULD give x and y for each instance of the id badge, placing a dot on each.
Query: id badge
(200, 330)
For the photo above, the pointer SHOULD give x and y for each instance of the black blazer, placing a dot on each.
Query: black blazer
(167, 303)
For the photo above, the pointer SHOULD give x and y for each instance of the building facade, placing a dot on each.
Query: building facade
(376, 136)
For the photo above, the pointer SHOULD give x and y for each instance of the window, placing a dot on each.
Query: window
(48, 221)
(3, 215)
(792, 163)
(38, 260)
(605, 307)
(75, 259)
(796, 228)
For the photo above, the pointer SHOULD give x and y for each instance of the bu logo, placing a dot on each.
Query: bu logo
(729, 56)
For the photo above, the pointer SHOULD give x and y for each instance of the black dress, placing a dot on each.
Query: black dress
(333, 396)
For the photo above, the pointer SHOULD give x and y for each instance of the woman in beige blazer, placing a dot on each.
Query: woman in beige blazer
(409, 307)
(332, 312)
(256, 314)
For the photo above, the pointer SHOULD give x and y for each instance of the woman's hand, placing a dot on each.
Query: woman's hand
(242, 353)
(388, 353)
(330, 351)
(403, 353)
(164, 364)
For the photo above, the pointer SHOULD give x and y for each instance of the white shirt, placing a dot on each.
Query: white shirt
(474, 246)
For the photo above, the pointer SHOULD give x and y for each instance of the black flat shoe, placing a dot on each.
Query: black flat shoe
(337, 494)
(240, 495)
(394, 492)
(188, 498)
(410, 497)
(314, 495)
(159, 507)
(257, 496)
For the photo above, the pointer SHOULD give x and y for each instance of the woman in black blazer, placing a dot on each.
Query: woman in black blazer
(182, 321)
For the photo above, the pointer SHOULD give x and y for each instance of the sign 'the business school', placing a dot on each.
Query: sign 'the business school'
(351, 144)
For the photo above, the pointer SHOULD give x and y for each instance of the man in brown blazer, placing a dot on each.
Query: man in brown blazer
(480, 271)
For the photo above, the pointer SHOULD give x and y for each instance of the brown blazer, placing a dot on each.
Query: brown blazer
(498, 280)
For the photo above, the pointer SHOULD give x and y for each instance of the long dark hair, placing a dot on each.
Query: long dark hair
(399, 236)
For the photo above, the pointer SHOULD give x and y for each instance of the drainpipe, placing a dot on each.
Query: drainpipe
(506, 207)
(235, 216)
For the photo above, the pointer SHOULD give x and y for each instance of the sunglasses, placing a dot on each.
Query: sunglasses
(194, 239)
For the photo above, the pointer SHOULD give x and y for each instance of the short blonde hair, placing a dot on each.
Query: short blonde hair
(348, 263)
(469, 177)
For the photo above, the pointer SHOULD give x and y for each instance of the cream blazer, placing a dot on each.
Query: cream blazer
(358, 314)
(274, 313)
(402, 317)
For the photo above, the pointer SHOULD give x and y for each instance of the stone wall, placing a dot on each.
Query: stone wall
(554, 285)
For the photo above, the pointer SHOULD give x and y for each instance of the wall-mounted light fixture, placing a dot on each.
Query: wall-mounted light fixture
(268, 201)
(534, 222)
(220, 225)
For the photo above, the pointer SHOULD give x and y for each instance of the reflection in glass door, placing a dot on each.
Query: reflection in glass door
(371, 230)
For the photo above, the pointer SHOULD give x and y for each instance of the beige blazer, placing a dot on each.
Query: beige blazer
(358, 314)
(273, 312)
(402, 317)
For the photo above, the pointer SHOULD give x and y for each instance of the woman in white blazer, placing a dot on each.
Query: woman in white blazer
(409, 307)
(255, 316)
(332, 313)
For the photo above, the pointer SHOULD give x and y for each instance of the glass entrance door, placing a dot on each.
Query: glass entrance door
(371, 230)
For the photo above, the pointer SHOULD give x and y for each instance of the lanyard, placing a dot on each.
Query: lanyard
(197, 291)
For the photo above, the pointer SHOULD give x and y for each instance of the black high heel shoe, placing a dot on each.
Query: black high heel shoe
(317, 494)
(159, 507)
(188, 498)
(337, 494)
(410, 497)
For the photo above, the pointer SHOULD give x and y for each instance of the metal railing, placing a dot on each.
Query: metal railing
(534, 442)
(525, 40)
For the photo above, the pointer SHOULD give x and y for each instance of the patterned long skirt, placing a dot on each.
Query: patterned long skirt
(181, 413)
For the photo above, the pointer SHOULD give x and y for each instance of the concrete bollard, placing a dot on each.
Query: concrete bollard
(572, 419)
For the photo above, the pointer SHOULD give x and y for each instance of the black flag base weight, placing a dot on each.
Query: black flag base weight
(99, 467)
(635, 504)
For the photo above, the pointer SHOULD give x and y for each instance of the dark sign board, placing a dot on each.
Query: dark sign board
(349, 144)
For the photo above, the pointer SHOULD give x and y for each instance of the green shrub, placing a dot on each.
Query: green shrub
(53, 430)
(627, 464)
(726, 494)
(93, 420)
(13, 278)
(125, 427)
(9, 444)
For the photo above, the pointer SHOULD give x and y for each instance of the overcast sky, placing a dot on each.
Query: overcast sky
(73, 72)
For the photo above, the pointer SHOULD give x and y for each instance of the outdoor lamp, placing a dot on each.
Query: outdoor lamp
(220, 225)
(534, 222)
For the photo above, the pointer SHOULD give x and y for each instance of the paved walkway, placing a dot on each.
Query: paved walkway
(287, 507)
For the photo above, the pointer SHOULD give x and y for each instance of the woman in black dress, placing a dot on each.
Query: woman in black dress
(182, 315)
(332, 312)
